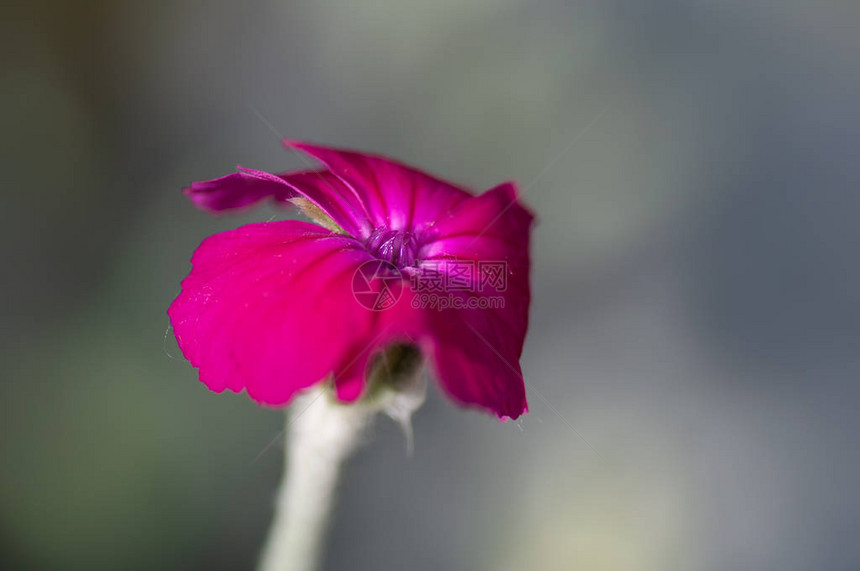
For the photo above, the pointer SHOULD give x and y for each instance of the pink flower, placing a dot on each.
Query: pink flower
(276, 307)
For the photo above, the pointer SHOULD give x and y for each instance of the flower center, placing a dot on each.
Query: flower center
(395, 246)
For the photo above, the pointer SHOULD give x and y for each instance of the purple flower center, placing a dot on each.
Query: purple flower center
(396, 246)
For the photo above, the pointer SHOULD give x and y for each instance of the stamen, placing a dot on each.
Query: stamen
(395, 246)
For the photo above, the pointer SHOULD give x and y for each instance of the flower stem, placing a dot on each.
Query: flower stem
(321, 435)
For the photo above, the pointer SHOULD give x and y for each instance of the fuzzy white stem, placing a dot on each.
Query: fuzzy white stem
(321, 435)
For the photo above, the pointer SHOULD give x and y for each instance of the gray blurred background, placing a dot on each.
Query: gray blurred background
(694, 353)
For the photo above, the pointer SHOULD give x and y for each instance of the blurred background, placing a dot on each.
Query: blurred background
(694, 354)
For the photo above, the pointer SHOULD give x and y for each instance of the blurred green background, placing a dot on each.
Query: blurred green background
(694, 354)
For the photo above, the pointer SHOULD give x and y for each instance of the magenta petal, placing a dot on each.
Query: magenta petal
(494, 225)
(236, 190)
(249, 186)
(477, 351)
(476, 356)
(399, 324)
(391, 194)
(269, 308)
(330, 194)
